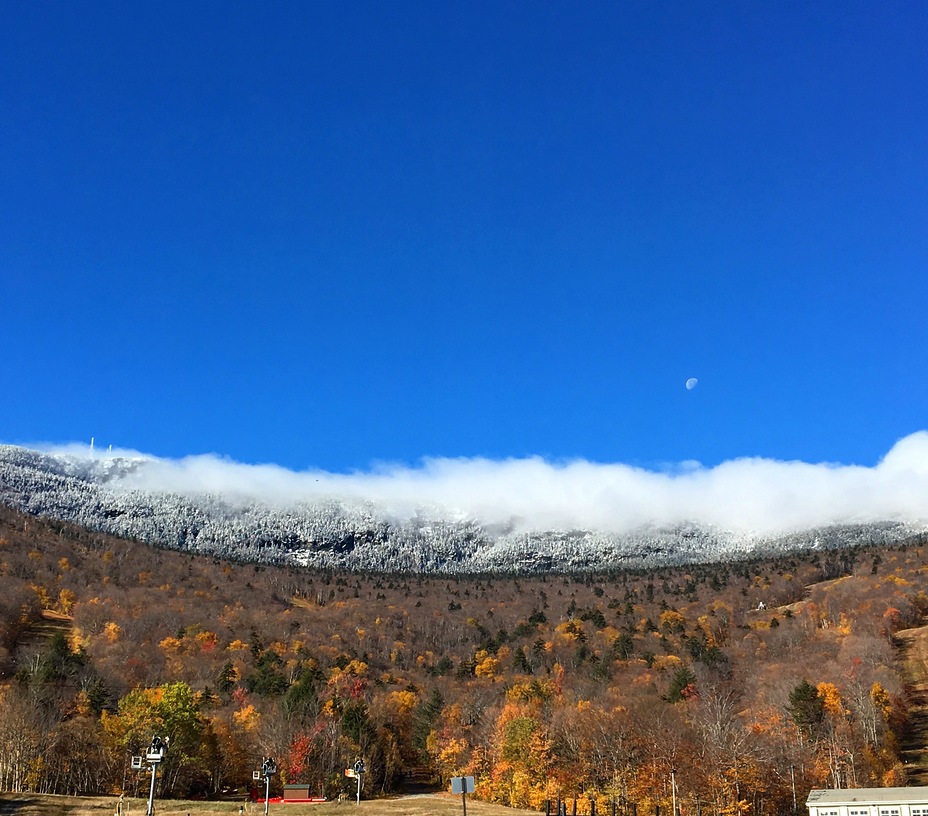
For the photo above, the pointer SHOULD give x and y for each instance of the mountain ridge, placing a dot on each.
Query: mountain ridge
(331, 533)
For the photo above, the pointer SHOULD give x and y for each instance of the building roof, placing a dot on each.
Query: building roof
(879, 796)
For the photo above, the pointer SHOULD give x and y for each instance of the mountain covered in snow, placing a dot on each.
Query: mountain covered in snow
(106, 493)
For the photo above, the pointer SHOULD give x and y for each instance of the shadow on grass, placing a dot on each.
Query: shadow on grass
(8, 808)
(25, 805)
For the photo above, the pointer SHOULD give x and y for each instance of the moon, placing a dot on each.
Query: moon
(691, 383)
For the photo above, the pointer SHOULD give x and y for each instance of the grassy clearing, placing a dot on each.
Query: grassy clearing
(429, 805)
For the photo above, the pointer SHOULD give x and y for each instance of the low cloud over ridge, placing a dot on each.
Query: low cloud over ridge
(756, 495)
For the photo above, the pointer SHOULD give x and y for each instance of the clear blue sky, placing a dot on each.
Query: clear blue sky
(327, 234)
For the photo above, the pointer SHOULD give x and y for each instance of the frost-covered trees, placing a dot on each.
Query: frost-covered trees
(355, 535)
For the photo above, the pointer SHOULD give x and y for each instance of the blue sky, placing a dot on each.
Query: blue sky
(330, 234)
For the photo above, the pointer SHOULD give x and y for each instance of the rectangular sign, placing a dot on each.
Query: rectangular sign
(349, 772)
(462, 784)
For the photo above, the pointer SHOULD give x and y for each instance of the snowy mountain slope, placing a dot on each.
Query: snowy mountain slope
(99, 493)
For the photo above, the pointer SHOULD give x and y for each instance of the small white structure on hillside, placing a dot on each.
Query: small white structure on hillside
(868, 802)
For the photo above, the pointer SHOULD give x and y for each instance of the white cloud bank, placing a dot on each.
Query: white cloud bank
(743, 495)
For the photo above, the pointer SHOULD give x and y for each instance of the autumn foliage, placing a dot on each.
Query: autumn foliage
(635, 688)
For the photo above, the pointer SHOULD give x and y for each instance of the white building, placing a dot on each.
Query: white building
(868, 802)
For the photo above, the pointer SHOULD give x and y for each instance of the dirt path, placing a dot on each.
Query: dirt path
(912, 650)
(40, 633)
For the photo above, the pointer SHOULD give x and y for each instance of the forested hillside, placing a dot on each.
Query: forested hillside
(752, 681)
(340, 534)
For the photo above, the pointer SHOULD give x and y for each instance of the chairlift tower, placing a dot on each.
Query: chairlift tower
(359, 771)
(154, 756)
(268, 769)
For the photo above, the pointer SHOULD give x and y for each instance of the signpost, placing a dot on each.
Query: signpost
(462, 785)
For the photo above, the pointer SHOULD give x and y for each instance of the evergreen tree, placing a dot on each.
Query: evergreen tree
(682, 686)
(806, 707)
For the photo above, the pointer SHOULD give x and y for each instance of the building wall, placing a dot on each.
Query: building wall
(870, 809)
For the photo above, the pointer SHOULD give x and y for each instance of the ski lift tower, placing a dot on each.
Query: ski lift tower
(154, 757)
(268, 769)
(359, 770)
